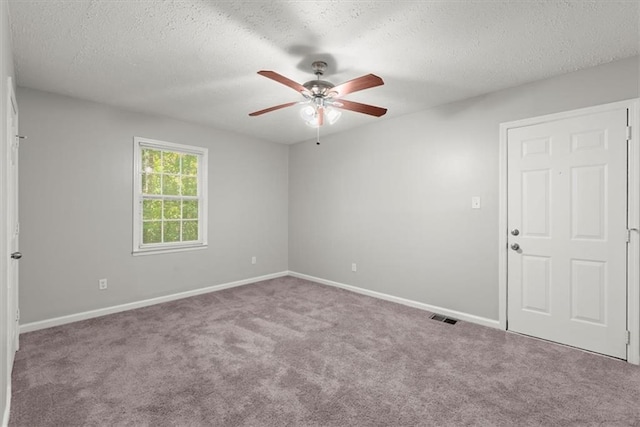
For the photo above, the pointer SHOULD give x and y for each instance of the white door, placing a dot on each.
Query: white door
(13, 228)
(567, 217)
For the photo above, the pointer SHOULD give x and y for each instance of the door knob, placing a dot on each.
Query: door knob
(515, 246)
(515, 231)
(16, 255)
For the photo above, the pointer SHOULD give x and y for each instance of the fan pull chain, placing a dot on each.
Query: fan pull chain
(318, 135)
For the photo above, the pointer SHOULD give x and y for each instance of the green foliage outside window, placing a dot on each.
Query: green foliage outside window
(170, 190)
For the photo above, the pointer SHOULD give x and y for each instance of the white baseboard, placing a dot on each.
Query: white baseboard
(62, 320)
(422, 306)
(7, 405)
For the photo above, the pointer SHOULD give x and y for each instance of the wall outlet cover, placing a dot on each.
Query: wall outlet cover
(475, 202)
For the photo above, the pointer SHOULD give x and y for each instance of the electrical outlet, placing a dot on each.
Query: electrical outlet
(354, 267)
(253, 260)
(475, 202)
(102, 284)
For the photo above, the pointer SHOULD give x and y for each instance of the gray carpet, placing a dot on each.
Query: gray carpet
(288, 352)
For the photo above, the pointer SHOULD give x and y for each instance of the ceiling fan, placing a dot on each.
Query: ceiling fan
(323, 97)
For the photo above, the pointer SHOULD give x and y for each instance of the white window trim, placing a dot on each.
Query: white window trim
(157, 248)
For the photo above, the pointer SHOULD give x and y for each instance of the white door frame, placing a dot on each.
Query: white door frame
(633, 216)
(11, 194)
(5, 158)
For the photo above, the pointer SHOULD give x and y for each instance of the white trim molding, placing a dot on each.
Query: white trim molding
(633, 219)
(63, 320)
(471, 318)
(7, 406)
(633, 223)
(8, 322)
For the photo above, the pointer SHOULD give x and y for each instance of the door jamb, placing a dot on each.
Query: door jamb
(633, 215)
(5, 143)
(12, 130)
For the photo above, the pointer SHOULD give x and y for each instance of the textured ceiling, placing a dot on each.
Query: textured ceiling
(197, 60)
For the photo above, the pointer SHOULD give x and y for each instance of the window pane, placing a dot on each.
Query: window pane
(171, 162)
(151, 183)
(152, 209)
(169, 200)
(151, 160)
(171, 185)
(190, 209)
(189, 165)
(171, 231)
(189, 230)
(151, 232)
(171, 209)
(189, 186)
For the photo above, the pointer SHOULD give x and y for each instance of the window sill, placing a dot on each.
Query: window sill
(157, 251)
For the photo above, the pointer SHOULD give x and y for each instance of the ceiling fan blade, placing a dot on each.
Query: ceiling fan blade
(283, 80)
(360, 83)
(372, 110)
(277, 107)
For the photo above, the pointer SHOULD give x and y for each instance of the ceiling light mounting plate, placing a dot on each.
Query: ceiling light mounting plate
(319, 67)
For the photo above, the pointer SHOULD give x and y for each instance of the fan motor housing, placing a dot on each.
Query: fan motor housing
(319, 87)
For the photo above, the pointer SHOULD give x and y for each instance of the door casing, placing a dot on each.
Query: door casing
(5, 304)
(12, 215)
(633, 216)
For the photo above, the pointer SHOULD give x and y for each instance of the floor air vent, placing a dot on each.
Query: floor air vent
(445, 319)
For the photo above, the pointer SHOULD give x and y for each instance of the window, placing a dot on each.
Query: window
(170, 203)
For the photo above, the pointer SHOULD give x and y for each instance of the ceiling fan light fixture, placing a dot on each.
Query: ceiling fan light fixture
(313, 123)
(323, 100)
(310, 115)
(332, 115)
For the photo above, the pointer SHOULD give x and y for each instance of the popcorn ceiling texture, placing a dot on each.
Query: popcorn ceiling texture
(197, 60)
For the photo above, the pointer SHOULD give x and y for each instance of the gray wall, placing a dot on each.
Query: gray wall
(76, 208)
(6, 71)
(395, 196)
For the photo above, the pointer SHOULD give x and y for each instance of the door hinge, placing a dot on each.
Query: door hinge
(628, 337)
(629, 230)
(628, 133)
(17, 315)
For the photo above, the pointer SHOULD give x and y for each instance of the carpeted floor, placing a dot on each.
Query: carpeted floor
(288, 352)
